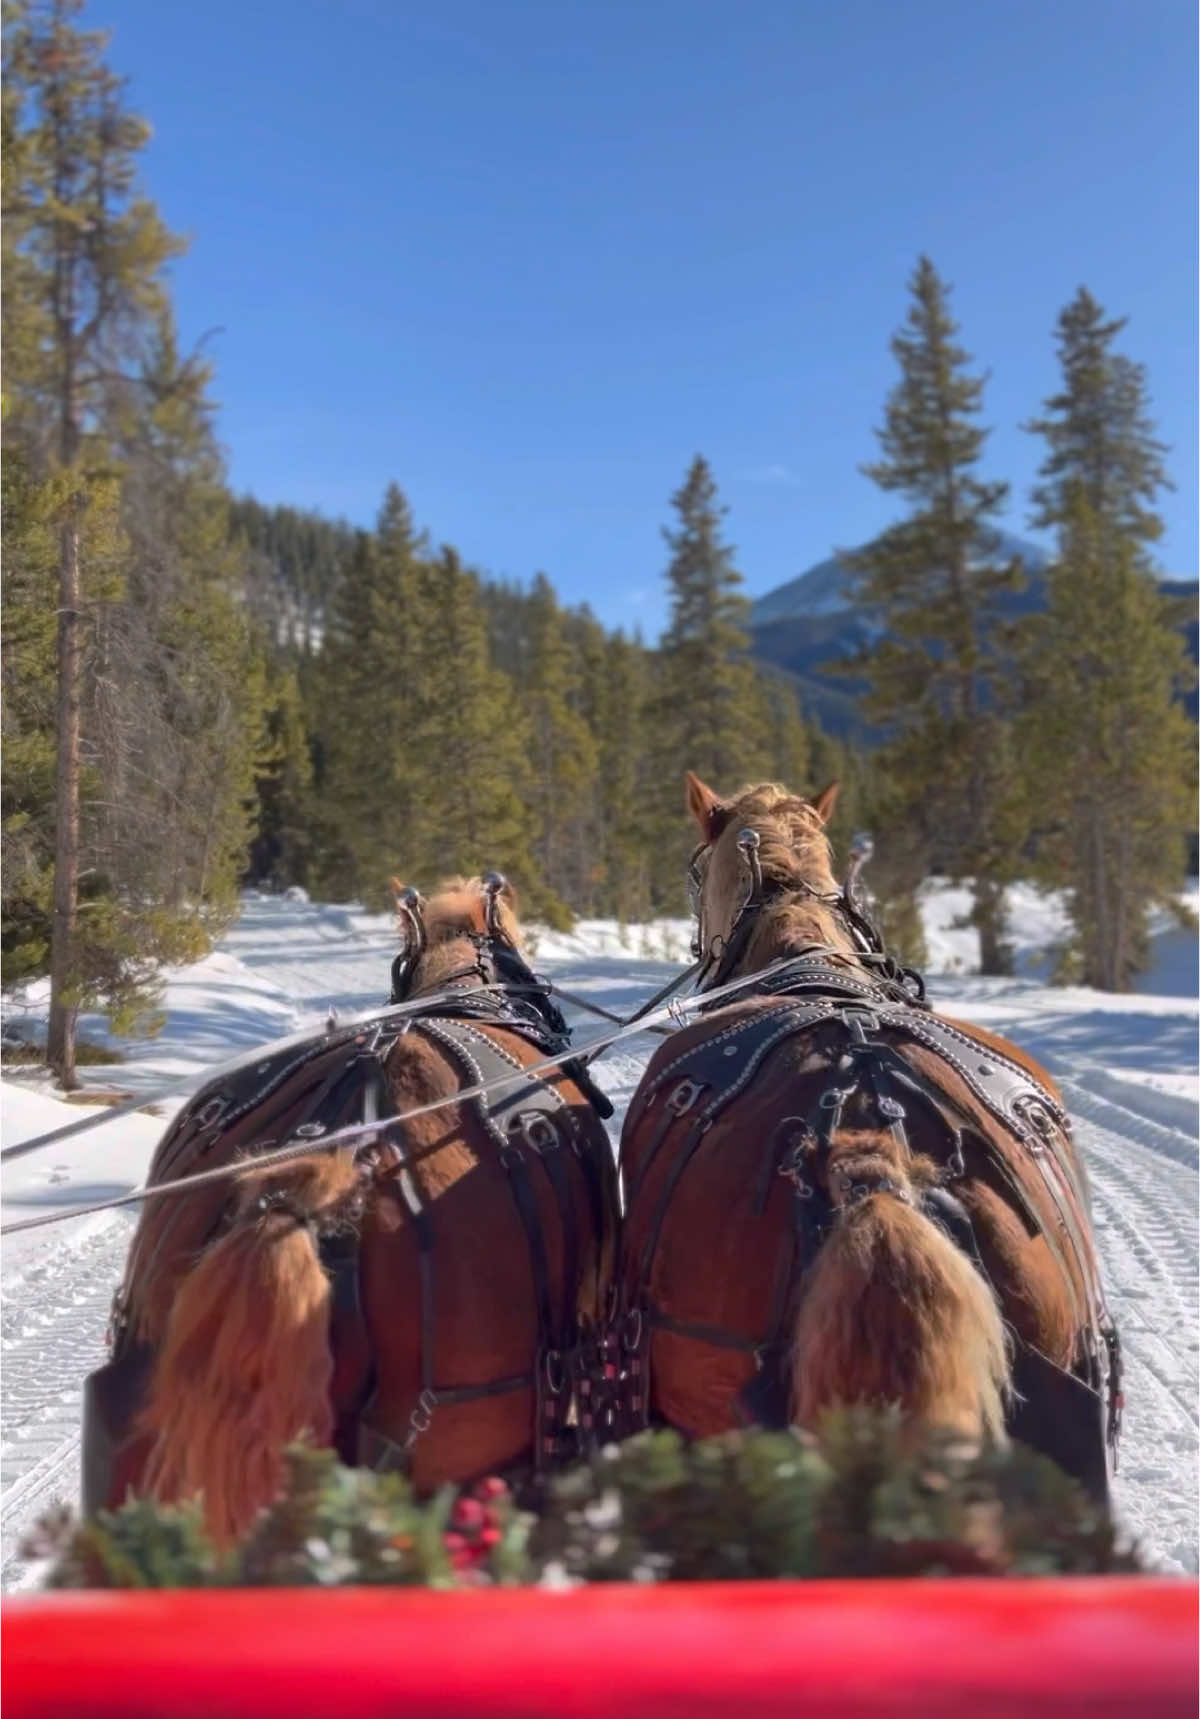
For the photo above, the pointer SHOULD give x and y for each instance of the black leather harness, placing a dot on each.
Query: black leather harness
(860, 1018)
(531, 1124)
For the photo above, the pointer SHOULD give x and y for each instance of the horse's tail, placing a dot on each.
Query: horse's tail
(245, 1363)
(893, 1312)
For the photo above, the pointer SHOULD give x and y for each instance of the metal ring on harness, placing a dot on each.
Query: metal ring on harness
(421, 1418)
(494, 885)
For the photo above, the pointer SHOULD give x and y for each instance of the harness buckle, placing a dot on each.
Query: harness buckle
(858, 1022)
(212, 1113)
(537, 1130)
(684, 1096)
(308, 1131)
(555, 1369)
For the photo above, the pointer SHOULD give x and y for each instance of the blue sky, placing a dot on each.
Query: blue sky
(527, 256)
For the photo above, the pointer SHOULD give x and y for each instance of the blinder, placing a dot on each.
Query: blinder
(409, 906)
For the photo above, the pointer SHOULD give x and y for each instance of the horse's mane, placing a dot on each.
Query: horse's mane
(794, 852)
(457, 909)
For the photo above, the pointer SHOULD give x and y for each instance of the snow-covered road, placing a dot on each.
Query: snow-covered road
(1128, 1064)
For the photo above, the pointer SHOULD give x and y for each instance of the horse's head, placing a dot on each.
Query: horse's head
(763, 847)
(461, 911)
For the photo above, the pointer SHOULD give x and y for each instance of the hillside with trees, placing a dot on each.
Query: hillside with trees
(202, 691)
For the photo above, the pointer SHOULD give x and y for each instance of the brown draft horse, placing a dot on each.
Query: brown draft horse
(419, 1301)
(834, 1196)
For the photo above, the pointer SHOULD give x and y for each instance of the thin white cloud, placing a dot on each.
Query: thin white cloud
(772, 474)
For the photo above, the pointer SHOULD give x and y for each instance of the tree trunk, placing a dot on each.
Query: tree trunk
(60, 1044)
(988, 914)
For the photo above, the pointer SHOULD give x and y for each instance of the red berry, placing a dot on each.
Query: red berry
(454, 1543)
(491, 1537)
(492, 1487)
(467, 1513)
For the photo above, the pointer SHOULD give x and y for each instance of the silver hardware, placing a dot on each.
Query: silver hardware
(684, 1096)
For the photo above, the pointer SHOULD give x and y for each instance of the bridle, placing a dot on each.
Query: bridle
(718, 955)
(506, 959)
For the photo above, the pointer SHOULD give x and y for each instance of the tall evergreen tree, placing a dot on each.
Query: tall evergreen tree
(937, 676)
(367, 757)
(94, 252)
(710, 713)
(788, 737)
(1100, 442)
(153, 669)
(1110, 752)
(562, 751)
(284, 845)
(712, 700)
(473, 804)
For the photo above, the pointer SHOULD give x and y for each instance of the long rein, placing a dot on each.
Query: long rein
(715, 960)
(644, 1020)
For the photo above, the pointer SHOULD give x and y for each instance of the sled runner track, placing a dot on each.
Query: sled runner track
(54, 1481)
(1127, 1116)
(55, 1310)
(1146, 1225)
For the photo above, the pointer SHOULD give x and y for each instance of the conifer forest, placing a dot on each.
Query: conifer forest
(203, 693)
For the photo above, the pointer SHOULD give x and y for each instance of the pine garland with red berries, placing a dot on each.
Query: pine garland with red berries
(857, 1502)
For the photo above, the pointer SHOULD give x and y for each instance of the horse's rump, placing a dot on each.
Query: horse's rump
(728, 1203)
(462, 1247)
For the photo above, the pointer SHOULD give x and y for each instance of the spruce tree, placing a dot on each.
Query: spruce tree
(473, 801)
(284, 846)
(562, 752)
(27, 700)
(367, 758)
(1110, 752)
(788, 737)
(937, 676)
(712, 703)
(90, 251)
(710, 712)
(1100, 442)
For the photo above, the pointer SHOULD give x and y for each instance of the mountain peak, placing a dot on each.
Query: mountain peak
(824, 589)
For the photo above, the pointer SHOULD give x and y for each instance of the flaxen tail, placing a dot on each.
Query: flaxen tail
(245, 1364)
(893, 1312)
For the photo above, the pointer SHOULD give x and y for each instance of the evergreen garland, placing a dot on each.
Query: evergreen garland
(858, 1502)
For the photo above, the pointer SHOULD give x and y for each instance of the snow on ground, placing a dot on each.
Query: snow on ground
(1128, 1065)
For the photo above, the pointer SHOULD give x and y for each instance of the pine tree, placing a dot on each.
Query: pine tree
(92, 252)
(284, 846)
(1111, 754)
(366, 757)
(473, 808)
(182, 646)
(27, 689)
(788, 737)
(1100, 443)
(710, 714)
(562, 752)
(937, 677)
(712, 700)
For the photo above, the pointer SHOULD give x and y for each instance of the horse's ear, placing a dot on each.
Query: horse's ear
(709, 812)
(824, 802)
